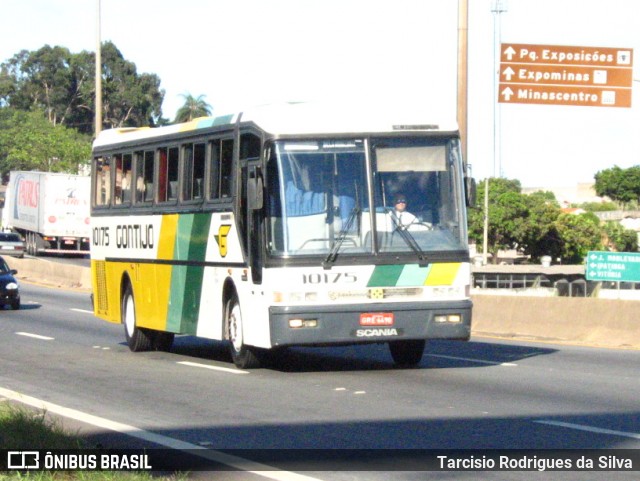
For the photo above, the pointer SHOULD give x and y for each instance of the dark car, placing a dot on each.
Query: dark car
(9, 288)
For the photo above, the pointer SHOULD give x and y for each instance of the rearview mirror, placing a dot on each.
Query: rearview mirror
(255, 192)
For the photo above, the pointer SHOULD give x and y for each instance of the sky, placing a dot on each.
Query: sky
(241, 53)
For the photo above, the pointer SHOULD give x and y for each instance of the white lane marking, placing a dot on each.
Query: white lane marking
(84, 311)
(213, 368)
(236, 462)
(591, 429)
(35, 336)
(507, 364)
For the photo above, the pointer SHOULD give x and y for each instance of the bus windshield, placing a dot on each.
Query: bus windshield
(320, 194)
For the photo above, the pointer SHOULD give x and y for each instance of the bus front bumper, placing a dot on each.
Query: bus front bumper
(381, 322)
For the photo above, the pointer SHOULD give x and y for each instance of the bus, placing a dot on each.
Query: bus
(275, 228)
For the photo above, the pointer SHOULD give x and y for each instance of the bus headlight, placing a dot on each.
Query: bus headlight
(452, 318)
(280, 297)
(299, 323)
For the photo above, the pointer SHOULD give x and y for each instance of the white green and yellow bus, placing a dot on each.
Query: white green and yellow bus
(276, 227)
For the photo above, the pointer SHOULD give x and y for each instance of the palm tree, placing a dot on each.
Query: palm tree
(193, 108)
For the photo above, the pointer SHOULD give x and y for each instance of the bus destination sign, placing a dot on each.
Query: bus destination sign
(563, 75)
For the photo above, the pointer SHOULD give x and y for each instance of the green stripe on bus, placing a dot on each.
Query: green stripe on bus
(195, 274)
(186, 281)
(214, 121)
(385, 276)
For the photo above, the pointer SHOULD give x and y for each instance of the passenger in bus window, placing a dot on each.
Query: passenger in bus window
(106, 184)
(140, 188)
(126, 186)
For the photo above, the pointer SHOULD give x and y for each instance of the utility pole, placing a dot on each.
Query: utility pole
(98, 118)
(498, 7)
(462, 72)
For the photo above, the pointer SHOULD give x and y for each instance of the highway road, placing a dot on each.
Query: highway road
(484, 394)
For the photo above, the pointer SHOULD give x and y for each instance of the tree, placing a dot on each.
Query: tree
(129, 99)
(42, 80)
(534, 224)
(28, 141)
(619, 239)
(580, 234)
(540, 236)
(507, 214)
(621, 185)
(61, 84)
(192, 108)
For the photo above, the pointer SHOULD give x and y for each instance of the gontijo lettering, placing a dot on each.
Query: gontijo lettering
(127, 236)
(136, 236)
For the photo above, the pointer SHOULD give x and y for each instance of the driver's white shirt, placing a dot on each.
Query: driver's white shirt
(404, 218)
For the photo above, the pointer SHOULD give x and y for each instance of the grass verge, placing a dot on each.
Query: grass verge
(27, 429)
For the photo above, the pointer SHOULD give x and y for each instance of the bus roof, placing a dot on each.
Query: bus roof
(300, 119)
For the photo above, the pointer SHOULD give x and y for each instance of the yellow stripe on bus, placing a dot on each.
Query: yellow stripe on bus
(157, 278)
(167, 239)
(442, 274)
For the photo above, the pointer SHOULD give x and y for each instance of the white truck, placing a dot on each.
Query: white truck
(50, 211)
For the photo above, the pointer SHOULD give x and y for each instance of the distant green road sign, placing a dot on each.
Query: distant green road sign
(613, 266)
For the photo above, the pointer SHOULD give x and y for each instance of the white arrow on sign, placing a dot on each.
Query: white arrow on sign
(508, 73)
(510, 52)
(507, 93)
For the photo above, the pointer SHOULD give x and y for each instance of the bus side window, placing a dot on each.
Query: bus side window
(117, 188)
(103, 181)
(214, 174)
(199, 156)
(193, 171)
(250, 146)
(221, 155)
(162, 174)
(187, 172)
(172, 172)
(144, 176)
(125, 182)
(226, 164)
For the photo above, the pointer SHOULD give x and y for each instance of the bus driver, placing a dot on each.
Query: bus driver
(401, 217)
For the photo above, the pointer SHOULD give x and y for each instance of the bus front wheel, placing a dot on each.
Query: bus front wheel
(407, 353)
(242, 355)
(138, 339)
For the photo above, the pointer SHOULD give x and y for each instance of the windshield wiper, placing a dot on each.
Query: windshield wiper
(409, 239)
(331, 257)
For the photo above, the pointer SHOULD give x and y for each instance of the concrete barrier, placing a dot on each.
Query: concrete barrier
(57, 274)
(576, 320)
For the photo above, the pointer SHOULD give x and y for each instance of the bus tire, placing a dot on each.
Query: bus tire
(138, 339)
(407, 353)
(243, 356)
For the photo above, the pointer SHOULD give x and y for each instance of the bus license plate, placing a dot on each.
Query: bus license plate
(376, 319)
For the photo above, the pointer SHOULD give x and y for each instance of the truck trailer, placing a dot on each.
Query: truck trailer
(50, 211)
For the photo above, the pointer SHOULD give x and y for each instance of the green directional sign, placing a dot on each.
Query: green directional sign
(613, 266)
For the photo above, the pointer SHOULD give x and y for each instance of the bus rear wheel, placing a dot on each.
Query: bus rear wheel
(243, 356)
(138, 339)
(407, 353)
